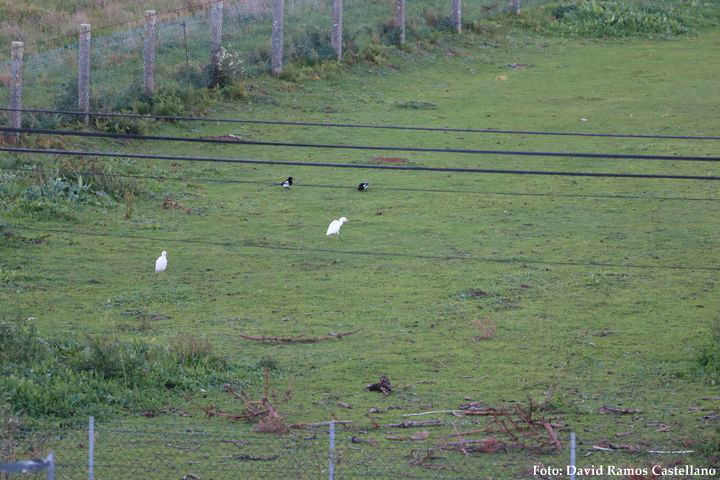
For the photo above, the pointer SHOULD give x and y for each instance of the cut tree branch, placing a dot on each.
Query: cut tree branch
(296, 339)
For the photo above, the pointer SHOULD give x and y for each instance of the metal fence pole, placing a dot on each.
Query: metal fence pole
(331, 452)
(91, 448)
(84, 53)
(572, 456)
(515, 7)
(277, 36)
(400, 19)
(216, 26)
(149, 52)
(50, 472)
(16, 85)
(457, 15)
(337, 27)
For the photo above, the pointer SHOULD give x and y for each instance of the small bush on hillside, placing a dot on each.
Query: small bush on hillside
(389, 33)
(311, 46)
(191, 351)
(235, 91)
(609, 18)
(192, 75)
(19, 343)
(375, 54)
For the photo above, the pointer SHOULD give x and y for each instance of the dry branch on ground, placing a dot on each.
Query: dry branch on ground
(297, 338)
(522, 427)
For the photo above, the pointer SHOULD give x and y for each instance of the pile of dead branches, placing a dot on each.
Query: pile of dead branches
(510, 427)
(266, 416)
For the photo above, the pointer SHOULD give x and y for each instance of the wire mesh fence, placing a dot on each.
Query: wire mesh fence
(191, 450)
(183, 43)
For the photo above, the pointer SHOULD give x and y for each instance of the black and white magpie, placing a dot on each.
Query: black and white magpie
(287, 183)
(363, 186)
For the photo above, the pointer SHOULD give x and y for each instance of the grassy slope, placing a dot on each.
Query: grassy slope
(605, 335)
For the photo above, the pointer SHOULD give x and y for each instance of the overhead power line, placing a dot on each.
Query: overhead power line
(175, 118)
(326, 251)
(351, 165)
(187, 179)
(125, 136)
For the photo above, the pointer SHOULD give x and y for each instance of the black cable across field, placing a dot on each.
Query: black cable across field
(374, 187)
(160, 138)
(175, 118)
(349, 165)
(325, 251)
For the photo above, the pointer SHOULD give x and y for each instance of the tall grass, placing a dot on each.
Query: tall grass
(66, 377)
(613, 18)
(708, 360)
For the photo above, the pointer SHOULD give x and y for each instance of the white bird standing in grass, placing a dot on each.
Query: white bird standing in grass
(334, 228)
(161, 262)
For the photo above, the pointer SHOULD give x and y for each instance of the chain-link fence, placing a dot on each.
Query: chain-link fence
(183, 44)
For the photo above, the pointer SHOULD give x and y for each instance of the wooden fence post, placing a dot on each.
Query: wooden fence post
(515, 7)
(16, 85)
(149, 52)
(84, 53)
(277, 36)
(216, 25)
(337, 27)
(400, 19)
(457, 15)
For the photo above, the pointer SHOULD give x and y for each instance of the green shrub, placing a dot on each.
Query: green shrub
(45, 209)
(234, 91)
(103, 177)
(375, 54)
(70, 377)
(311, 46)
(19, 342)
(192, 75)
(610, 18)
(191, 350)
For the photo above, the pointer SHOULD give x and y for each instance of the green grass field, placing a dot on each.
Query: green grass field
(601, 290)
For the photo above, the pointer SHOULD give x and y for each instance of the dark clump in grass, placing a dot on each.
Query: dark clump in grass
(68, 377)
(416, 105)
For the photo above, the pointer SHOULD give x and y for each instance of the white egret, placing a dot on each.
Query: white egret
(334, 228)
(161, 262)
(287, 183)
(363, 186)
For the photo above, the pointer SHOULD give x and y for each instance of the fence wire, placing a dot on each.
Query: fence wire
(183, 40)
(192, 450)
